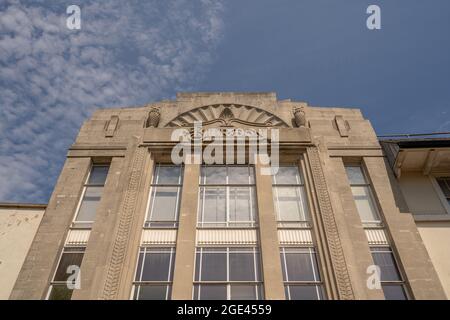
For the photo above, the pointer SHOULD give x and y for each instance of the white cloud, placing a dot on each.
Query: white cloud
(126, 53)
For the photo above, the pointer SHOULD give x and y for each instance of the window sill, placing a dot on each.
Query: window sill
(431, 217)
(227, 228)
(159, 228)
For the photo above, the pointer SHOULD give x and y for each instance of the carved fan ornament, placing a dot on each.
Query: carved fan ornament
(228, 115)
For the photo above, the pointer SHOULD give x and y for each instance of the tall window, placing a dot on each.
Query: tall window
(227, 197)
(391, 280)
(390, 277)
(165, 196)
(92, 193)
(228, 274)
(290, 197)
(300, 267)
(154, 274)
(301, 274)
(363, 195)
(444, 183)
(61, 287)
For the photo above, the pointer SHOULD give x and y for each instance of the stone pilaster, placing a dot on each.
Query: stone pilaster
(332, 237)
(94, 261)
(353, 237)
(185, 250)
(270, 250)
(36, 273)
(123, 231)
(129, 264)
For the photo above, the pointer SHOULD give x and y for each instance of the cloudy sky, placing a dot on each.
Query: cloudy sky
(133, 52)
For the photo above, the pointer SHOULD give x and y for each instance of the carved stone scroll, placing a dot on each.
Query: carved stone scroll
(341, 273)
(127, 210)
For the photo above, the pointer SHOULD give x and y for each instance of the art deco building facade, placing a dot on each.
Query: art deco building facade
(139, 226)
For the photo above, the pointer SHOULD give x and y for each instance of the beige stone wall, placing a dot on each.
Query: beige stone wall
(436, 237)
(330, 137)
(17, 229)
(420, 194)
(39, 266)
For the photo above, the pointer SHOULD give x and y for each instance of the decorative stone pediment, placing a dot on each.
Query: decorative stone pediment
(228, 115)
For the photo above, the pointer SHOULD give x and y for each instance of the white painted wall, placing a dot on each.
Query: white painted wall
(17, 229)
(436, 237)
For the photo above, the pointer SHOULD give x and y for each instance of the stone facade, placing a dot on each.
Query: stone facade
(319, 140)
(18, 225)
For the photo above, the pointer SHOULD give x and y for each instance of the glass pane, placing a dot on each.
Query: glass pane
(355, 175)
(152, 292)
(89, 204)
(67, 260)
(240, 175)
(98, 174)
(242, 267)
(290, 204)
(364, 203)
(242, 204)
(156, 266)
(60, 292)
(444, 183)
(260, 290)
(388, 267)
(139, 266)
(394, 292)
(258, 268)
(287, 175)
(304, 292)
(300, 266)
(243, 292)
(168, 175)
(212, 205)
(211, 292)
(213, 267)
(164, 204)
(214, 174)
(197, 266)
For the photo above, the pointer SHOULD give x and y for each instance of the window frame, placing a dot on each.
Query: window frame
(228, 223)
(440, 193)
(67, 250)
(82, 224)
(367, 184)
(137, 284)
(150, 201)
(401, 283)
(304, 201)
(318, 284)
(258, 284)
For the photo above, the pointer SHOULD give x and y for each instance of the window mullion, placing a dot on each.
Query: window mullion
(228, 264)
(152, 201)
(175, 214)
(203, 205)
(169, 274)
(285, 265)
(254, 265)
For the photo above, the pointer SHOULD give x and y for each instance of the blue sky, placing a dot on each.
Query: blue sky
(128, 54)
